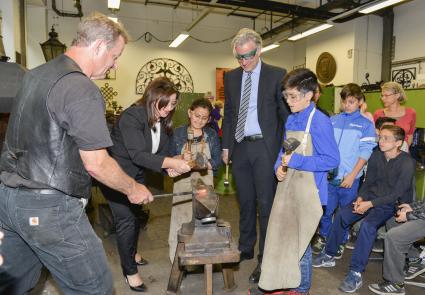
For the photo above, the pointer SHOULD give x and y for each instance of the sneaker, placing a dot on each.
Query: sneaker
(351, 283)
(339, 252)
(414, 270)
(324, 260)
(350, 245)
(387, 288)
(378, 246)
(318, 245)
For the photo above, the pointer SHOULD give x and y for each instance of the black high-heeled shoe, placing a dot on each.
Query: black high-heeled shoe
(140, 288)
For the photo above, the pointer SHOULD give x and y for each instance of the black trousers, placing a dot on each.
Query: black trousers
(252, 168)
(127, 227)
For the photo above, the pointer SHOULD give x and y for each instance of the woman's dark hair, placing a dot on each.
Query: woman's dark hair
(159, 91)
(201, 103)
(397, 131)
(352, 89)
(381, 121)
(303, 80)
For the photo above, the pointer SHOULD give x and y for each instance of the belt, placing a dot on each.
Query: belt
(41, 191)
(253, 137)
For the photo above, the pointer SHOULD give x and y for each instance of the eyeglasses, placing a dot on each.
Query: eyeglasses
(247, 56)
(294, 97)
(387, 95)
(385, 138)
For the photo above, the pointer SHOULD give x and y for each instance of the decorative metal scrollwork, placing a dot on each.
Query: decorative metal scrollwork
(404, 76)
(111, 103)
(161, 67)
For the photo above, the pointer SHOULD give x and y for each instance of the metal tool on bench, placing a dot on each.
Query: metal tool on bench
(205, 240)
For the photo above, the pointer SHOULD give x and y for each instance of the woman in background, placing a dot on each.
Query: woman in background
(141, 137)
(393, 96)
(204, 146)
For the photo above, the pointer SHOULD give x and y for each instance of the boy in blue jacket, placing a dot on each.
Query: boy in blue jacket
(356, 138)
(301, 192)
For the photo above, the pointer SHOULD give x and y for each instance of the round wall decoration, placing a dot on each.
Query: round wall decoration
(326, 67)
(161, 67)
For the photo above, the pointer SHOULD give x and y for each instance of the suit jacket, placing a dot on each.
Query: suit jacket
(132, 140)
(272, 111)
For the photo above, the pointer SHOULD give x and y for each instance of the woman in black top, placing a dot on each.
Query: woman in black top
(140, 138)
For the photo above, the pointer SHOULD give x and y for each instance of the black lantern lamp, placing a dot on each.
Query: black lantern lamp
(52, 47)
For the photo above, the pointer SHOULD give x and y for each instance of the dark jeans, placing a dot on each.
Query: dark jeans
(306, 271)
(127, 226)
(50, 230)
(252, 167)
(372, 220)
(337, 197)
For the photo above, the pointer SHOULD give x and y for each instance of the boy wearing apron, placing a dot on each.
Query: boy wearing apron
(301, 192)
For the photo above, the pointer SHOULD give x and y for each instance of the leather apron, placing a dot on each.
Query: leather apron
(181, 211)
(294, 218)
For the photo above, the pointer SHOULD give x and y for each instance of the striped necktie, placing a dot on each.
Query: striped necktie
(243, 109)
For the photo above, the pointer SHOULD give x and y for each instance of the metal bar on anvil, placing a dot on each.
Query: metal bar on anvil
(171, 194)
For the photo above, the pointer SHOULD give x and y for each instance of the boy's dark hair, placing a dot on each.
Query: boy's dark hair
(303, 80)
(351, 89)
(379, 123)
(201, 103)
(397, 131)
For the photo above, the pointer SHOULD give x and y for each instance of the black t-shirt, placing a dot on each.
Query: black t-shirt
(77, 105)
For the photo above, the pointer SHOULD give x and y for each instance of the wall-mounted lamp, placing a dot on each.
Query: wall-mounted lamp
(310, 32)
(270, 47)
(114, 4)
(379, 5)
(179, 40)
(52, 47)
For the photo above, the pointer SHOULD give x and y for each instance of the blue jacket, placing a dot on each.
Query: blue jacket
(355, 136)
(179, 139)
(325, 151)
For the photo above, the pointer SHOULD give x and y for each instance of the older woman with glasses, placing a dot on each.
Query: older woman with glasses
(393, 96)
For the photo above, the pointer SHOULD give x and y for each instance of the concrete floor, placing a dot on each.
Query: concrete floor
(154, 247)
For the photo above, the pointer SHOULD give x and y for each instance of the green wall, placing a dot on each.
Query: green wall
(327, 99)
(415, 100)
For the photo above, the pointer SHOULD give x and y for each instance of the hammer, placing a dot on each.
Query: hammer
(226, 177)
(290, 145)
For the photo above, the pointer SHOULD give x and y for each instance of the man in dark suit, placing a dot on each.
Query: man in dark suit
(254, 118)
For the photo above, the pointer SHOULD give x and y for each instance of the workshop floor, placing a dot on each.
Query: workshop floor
(154, 247)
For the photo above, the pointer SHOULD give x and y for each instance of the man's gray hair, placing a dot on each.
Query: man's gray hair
(99, 26)
(245, 35)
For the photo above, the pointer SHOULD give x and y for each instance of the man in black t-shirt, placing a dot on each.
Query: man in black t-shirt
(56, 139)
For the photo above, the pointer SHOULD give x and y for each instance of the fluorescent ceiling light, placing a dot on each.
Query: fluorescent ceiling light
(179, 40)
(310, 32)
(380, 5)
(114, 4)
(270, 47)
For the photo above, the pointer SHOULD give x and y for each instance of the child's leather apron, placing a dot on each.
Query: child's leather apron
(294, 217)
